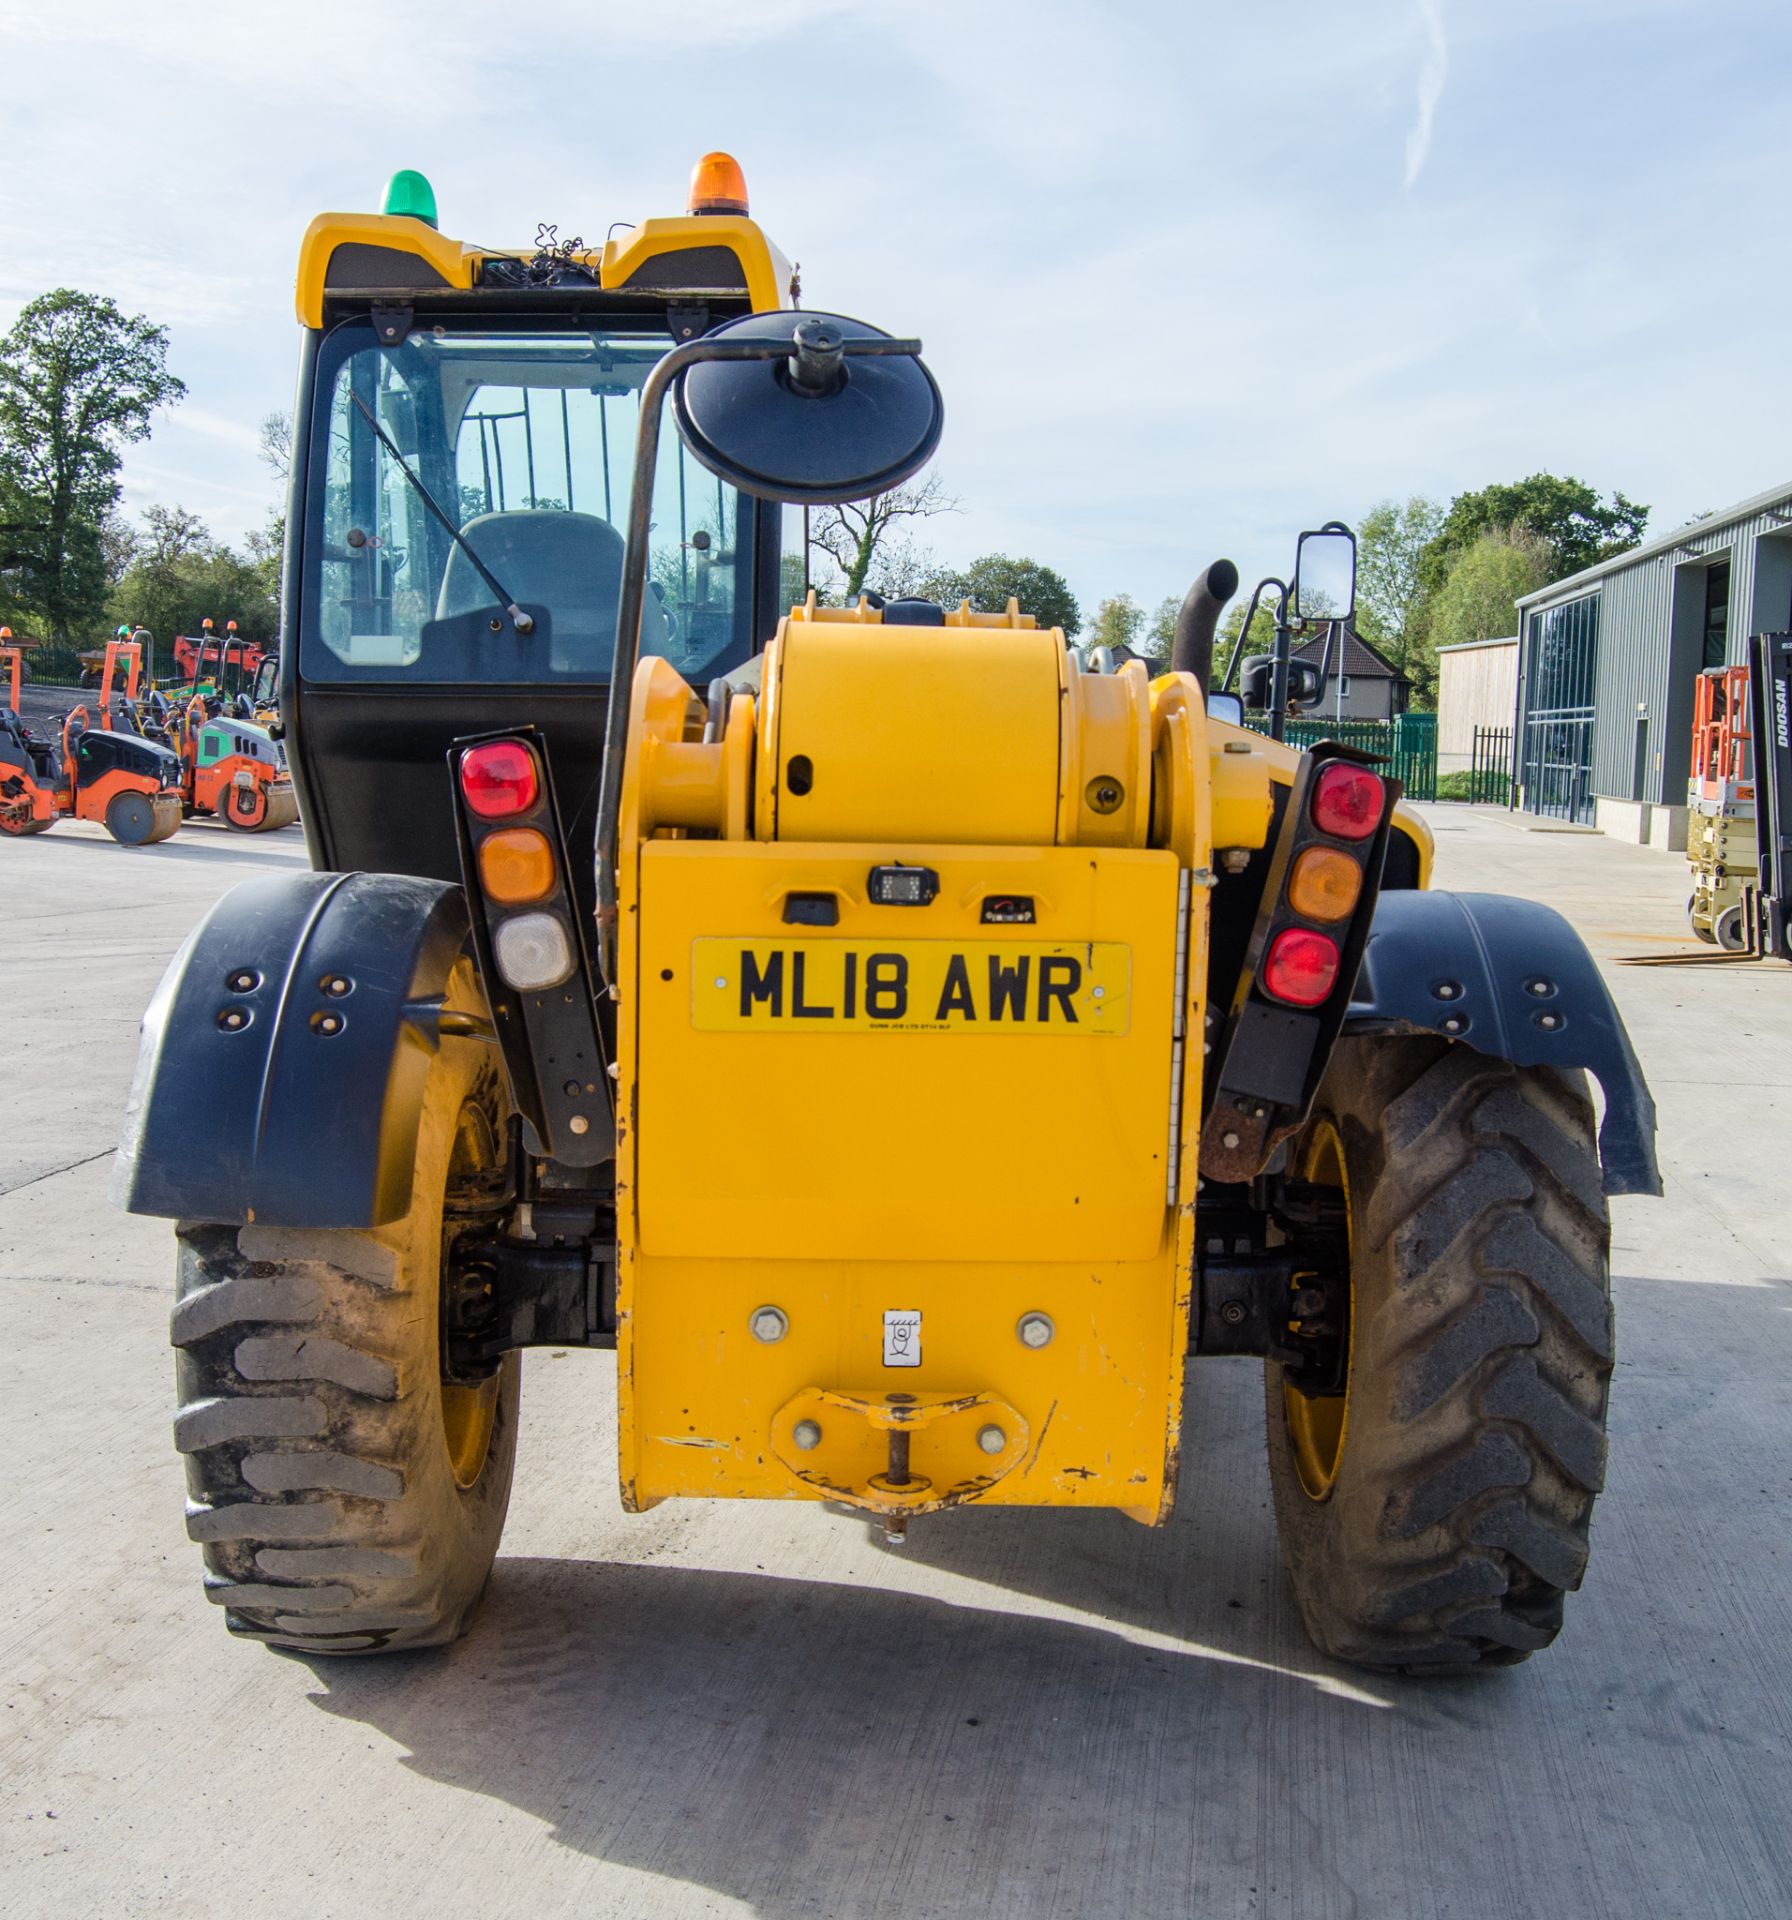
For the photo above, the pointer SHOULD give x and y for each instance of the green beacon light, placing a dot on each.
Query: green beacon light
(407, 192)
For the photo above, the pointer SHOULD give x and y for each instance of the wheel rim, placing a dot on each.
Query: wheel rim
(246, 806)
(1318, 1424)
(130, 819)
(469, 1413)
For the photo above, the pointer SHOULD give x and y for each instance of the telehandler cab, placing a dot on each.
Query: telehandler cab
(740, 986)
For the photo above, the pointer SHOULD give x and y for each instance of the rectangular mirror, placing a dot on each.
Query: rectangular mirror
(1227, 707)
(1325, 574)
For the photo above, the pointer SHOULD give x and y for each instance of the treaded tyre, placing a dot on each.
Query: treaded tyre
(347, 1500)
(1434, 1515)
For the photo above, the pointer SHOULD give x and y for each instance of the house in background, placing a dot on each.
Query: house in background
(1608, 660)
(1363, 685)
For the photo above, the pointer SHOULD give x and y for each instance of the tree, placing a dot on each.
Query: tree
(79, 380)
(1117, 622)
(791, 588)
(181, 576)
(850, 535)
(1390, 599)
(118, 547)
(990, 582)
(1262, 638)
(267, 555)
(1566, 513)
(276, 442)
(902, 570)
(1159, 642)
(1477, 601)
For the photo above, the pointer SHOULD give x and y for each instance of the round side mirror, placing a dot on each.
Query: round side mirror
(817, 425)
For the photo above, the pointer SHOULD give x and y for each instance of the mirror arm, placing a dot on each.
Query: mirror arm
(1244, 630)
(1278, 679)
(1333, 633)
(634, 591)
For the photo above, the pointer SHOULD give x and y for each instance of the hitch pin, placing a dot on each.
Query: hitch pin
(896, 1524)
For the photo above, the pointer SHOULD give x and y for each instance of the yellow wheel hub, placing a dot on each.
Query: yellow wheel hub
(467, 1414)
(1319, 1423)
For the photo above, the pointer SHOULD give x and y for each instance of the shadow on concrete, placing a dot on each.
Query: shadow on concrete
(817, 1749)
(1092, 1718)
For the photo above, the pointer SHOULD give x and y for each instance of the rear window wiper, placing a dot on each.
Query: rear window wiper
(523, 622)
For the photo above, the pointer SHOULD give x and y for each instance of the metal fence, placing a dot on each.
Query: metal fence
(1408, 743)
(52, 666)
(1490, 767)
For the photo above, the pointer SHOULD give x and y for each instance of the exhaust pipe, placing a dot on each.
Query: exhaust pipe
(1192, 651)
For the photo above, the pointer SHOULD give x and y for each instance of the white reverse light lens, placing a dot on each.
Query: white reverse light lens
(533, 950)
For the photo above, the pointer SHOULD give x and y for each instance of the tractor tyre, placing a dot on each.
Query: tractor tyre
(348, 1500)
(1728, 931)
(1434, 1514)
(1700, 926)
(21, 825)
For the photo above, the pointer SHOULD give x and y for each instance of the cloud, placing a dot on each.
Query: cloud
(1433, 71)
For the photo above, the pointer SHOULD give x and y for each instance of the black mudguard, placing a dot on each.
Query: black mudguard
(248, 1106)
(1513, 979)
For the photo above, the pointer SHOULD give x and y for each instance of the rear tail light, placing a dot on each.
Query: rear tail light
(1301, 967)
(533, 951)
(499, 779)
(1324, 884)
(516, 866)
(1348, 801)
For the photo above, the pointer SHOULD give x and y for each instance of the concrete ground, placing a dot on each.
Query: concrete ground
(734, 1709)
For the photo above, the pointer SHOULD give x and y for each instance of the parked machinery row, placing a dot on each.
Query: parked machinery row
(138, 765)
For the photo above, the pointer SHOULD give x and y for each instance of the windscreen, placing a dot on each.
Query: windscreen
(523, 442)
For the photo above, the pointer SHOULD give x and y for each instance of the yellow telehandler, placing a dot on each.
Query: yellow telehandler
(742, 986)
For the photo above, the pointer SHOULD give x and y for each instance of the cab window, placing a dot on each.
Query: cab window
(526, 441)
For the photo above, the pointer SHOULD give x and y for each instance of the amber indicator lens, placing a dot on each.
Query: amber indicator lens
(1301, 967)
(1325, 884)
(499, 779)
(516, 866)
(1347, 801)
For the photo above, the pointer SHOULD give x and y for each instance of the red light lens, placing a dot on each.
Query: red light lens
(1302, 967)
(499, 779)
(1347, 801)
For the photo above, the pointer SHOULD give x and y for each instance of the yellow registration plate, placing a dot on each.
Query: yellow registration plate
(910, 986)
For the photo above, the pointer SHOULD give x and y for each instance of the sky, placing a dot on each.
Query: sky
(1192, 276)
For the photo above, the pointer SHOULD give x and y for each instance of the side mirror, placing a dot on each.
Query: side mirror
(1255, 680)
(844, 412)
(1227, 707)
(1325, 574)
